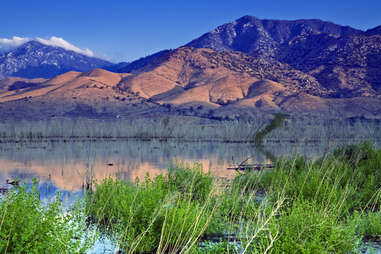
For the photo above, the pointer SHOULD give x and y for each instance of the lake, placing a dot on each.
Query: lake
(68, 166)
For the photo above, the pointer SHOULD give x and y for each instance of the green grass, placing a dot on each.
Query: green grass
(167, 213)
(370, 225)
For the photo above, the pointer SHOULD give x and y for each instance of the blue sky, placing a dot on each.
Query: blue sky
(126, 30)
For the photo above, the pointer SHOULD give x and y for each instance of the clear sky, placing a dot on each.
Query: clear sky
(123, 30)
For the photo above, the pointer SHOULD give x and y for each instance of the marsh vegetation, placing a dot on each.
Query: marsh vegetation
(326, 205)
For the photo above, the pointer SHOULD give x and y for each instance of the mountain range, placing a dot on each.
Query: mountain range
(238, 70)
(34, 59)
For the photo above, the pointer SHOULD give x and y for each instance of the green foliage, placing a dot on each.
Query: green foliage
(28, 227)
(184, 224)
(219, 248)
(370, 225)
(167, 213)
(356, 154)
(348, 178)
(235, 206)
(322, 206)
(300, 206)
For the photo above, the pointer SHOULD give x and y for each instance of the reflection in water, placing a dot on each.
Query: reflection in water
(67, 166)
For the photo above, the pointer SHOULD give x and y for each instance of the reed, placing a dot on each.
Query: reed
(260, 130)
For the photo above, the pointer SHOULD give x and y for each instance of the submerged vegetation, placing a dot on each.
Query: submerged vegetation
(329, 205)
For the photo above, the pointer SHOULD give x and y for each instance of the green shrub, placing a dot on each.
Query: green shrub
(234, 208)
(29, 227)
(184, 224)
(322, 206)
(276, 122)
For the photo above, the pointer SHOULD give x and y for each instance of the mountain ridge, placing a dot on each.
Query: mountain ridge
(341, 58)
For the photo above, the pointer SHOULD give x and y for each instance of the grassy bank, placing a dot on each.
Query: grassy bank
(330, 205)
(295, 129)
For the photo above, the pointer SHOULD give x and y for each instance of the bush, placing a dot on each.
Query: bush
(28, 227)
(276, 122)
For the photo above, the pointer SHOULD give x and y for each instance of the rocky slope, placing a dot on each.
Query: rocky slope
(344, 60)
(189, 68)
(36, 60)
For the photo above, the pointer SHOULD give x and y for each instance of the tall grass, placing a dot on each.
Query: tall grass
(331, 204)
(168, 213)
(173, 213)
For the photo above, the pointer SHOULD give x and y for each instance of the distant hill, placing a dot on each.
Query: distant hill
(36, 60)
(73, 94)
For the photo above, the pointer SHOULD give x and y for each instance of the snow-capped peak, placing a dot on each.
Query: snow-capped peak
(15, 42)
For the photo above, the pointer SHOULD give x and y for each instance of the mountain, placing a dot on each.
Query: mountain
(36, 60)
(344, 60)
(185, 81)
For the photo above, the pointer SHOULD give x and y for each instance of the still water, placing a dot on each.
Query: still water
(67, 166)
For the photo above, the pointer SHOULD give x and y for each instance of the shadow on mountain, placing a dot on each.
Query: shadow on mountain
(84, 110)
(373, 71)
(44, 70)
